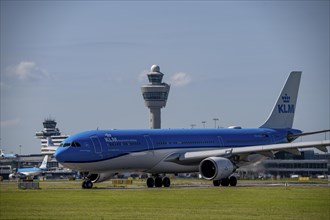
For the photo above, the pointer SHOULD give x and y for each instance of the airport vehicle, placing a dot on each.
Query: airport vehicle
(3, 155)
(215, 153)
(33, 171)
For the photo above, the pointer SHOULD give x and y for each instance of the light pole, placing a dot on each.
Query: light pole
(203, 122)
(20, 149)
(215, 122)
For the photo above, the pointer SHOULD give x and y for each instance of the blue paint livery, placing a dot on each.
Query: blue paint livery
(117, 143)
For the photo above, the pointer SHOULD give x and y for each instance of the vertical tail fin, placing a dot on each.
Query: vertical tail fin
(49, 142)
(283, 112)
(44, 163)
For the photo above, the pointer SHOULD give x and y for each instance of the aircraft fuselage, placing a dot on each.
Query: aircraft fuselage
(147, 150)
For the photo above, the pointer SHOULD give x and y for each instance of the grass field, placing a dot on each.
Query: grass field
(65, 200)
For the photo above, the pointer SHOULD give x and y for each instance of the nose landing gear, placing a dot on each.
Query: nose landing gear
(87, 184)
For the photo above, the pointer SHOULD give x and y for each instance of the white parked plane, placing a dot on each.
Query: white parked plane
(214, 153)
(4, 156)
(33, 171)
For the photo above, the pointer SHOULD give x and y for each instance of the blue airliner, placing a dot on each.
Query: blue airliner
(214, 153)
(33, 171)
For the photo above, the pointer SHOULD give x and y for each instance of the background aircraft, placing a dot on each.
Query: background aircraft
(3, 155)
(31, 172)
(214, 153)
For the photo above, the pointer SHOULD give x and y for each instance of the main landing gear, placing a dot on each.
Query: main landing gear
(158, 182)
(232, 181)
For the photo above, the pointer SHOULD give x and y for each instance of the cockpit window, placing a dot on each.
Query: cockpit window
(75, 144)
(66, 144)
(69, 144)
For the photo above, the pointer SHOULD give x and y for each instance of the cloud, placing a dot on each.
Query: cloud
(180, 79)
(10, 123)
(142, 77)
(27, 70)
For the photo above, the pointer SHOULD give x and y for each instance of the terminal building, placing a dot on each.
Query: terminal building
(285, 165)
(307, 164)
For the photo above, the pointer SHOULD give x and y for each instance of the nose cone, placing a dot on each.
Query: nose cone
(60, 154)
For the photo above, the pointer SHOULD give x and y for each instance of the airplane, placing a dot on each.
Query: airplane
(4, 156)
(33, 171)
(215, 153)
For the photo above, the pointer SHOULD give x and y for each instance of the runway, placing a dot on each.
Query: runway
(181, 184)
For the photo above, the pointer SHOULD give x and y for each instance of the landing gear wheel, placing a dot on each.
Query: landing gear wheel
(150, 182)
(233, 181)
(87, 184)
(166, 182)
(225, 182)
(216, 182)
(158, 182)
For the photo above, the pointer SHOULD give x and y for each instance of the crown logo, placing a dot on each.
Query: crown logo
(286, 98)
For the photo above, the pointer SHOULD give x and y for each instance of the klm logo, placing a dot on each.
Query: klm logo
(283, 108)
(286, 98)
(286, 107)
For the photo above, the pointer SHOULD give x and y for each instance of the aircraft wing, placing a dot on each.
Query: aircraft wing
(243, 152)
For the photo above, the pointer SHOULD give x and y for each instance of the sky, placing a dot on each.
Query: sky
(83, 63)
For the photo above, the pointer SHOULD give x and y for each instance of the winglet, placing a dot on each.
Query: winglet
(283, 112)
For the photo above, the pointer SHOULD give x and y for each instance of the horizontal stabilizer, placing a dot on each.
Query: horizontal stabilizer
(293, 151)
(269, 154)
(322, 148)
(293, 136)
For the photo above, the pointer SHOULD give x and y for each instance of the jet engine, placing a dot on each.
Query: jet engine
(216, 168)
(99, 177)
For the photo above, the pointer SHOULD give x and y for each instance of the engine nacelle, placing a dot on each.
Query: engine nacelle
(216, 168)
(99, 177)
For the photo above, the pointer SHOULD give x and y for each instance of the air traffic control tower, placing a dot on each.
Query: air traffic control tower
(155, 95)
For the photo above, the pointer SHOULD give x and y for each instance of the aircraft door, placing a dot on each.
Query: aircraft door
(149, 142)
(97, 144)
(220, 141)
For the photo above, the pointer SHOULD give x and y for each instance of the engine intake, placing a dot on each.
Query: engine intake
(99, 177)
(216, 168)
